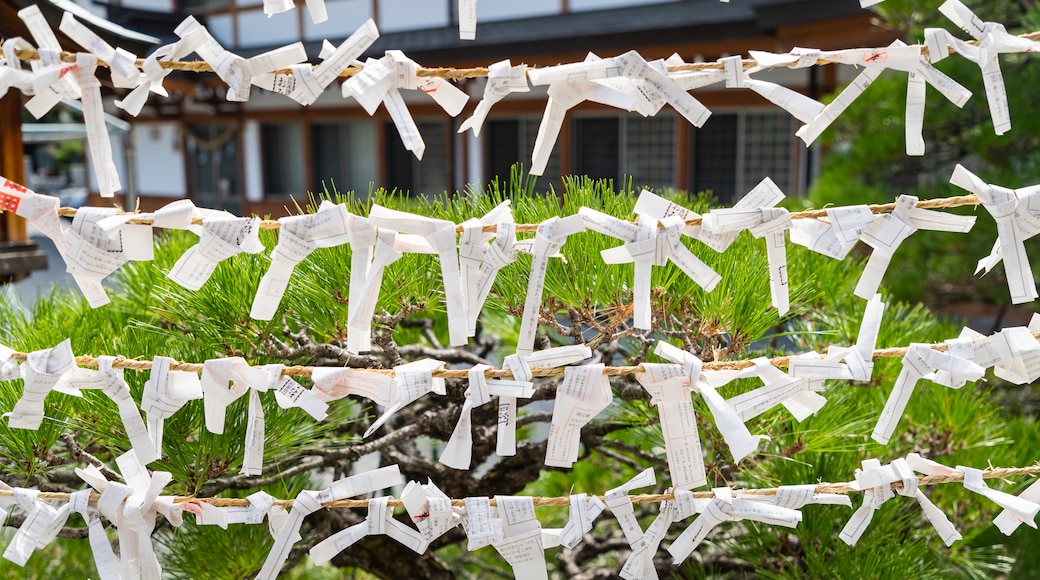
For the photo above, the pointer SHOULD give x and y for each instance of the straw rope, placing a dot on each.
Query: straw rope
(562, 501)
(122, 362)
(938, 203)
(199, 66)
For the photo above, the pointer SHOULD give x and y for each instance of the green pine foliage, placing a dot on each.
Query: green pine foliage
(150, 315)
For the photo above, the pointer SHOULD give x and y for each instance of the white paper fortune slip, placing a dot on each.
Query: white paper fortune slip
(1008, 521)
(993, 40)
(569, 85)
(798, 496)
(521, 542)
(308, 502)
(670, 392)
(779, 388)
(549, 238)
(97, 132)
(11, 72)
(122, 63)
(155, 73)
(801, 107)
(1021, 507)
(836, 235)
(583, 394)
(410, 381)
(874, 62)
(876, 482)
(298, 236)
(919, 362)
(888, 231)
(648, 243)
(430, 510)
(132, 507)
(42, 212)
(49, 81)
(727, 508)
(620, 505)
(43, 372)
(221, 238)
(740, 441)
(503, 79)
(111, 382)
(92, 253)
(316, 9)
(755, 213)
(467, 12)
(379, 521)
(370, 254)
(305, 84)
(105, 560)
(481, 256)
(1017, 213)
(440, 236)
(640, 564)
(916, 96)
(165, 392)
(583, 513)
(40, 528)
(381, 81)
(234, 70)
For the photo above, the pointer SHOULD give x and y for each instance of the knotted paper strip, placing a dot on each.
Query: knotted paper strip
(1017, 213)
(309, 501)
(44, 370)
(502, 79)
(165, 392)
(298, 236)
(727, 508)
(583, 394)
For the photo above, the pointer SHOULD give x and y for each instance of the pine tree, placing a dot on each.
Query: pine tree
(586, 302)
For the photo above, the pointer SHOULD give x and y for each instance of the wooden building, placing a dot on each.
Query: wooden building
(256, 157)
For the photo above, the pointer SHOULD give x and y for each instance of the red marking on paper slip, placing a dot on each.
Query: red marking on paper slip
(879, 56)
(9, 202)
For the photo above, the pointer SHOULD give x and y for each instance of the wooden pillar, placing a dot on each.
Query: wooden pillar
(12, 162)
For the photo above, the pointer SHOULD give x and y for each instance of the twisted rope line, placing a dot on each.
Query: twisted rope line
(122, 362)
(562, 501)
(938, 203)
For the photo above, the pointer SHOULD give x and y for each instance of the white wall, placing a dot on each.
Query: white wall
(160, 160)
(154, 5)
(488, 10)
(220, 26)
(254, 177)
(257, 29)
(581, 5)
(345, 16)
(396, 15)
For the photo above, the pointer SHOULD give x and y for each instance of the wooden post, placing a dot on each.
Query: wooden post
(12, 162)
(18, 255)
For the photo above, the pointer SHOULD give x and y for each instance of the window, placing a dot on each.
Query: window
(511, 141)
(281, 146)
(432, 175)
(767, 149)
(623, 147)
(204, 6)
(714, 157)
(732, 152)
(649, 151)
(213, 164)
(342, 157)
(596, 147)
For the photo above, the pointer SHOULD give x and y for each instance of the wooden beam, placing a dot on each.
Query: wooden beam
(12, 161)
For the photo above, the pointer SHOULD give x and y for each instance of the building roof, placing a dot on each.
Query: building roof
(686, 22)
(11, 25)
